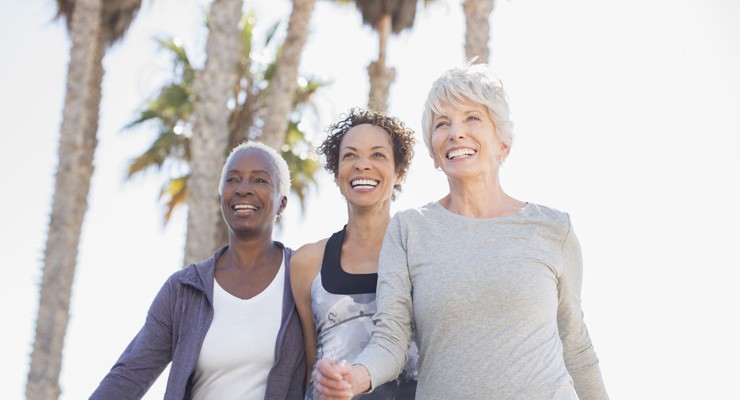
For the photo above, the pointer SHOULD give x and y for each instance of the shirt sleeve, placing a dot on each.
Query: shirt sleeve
(146, 356)
(578, 351)
(385, 355)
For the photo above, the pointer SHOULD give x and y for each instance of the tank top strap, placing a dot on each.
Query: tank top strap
(335, 279)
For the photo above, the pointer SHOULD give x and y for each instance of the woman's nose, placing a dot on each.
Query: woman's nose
(455, 132)
(244, 188)
(362, 163)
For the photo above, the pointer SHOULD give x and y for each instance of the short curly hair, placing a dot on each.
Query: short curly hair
(402, 138)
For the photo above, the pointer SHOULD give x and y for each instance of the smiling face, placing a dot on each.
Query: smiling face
(250, 200)
(366, 172)
(464, 141)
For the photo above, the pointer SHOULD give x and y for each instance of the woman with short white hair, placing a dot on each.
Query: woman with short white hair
(228, 325)
(492, 284)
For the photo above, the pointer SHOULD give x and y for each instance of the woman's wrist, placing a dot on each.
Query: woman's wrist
(360, 379)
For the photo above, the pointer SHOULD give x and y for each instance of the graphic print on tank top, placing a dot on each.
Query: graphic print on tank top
(343, 305)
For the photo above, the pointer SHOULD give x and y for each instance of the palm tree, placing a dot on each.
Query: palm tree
(284, 81)
(93, 25)
(171, 109)
(210, 137)
(477, 28)
(386, 17)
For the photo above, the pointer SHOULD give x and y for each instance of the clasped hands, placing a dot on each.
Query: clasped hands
(338, 380)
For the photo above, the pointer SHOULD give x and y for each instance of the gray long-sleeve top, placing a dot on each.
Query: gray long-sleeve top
(496, 303)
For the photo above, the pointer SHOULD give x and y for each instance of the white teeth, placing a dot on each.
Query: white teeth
(244, 207)
(460, 153)
(364, 182)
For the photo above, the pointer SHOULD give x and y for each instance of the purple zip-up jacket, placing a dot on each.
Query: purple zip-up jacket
(175, 327)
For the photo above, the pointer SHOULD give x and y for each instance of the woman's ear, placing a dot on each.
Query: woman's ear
(283, 204)
(505, 149)
(399, 179)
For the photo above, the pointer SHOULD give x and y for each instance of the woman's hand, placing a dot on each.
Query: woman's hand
(335, 380)
(332, 380)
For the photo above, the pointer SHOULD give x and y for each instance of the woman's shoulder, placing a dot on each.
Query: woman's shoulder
(311, 250)
(188, 275)
(196, 274)
(307, 259)
(422, 211)
(547, 215)
(545, 211)
(178, 283)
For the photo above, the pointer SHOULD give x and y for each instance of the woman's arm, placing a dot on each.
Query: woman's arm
(385, 355)
(305, 265)
(146, 356)
(578, 351)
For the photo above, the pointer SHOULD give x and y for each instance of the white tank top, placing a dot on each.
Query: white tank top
(239, 348)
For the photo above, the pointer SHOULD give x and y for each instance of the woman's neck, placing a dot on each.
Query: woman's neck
(368, 223)
(248, 266)
(248, 253)
(363, 239)
(369, 230)
(480, 199)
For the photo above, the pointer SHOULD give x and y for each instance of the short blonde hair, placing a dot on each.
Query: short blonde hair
(281, 166)
(472, 82)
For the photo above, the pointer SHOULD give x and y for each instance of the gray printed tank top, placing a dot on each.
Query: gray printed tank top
(343, 305)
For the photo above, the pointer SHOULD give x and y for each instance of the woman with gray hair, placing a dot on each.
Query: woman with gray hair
(228, 325)
(492, 284)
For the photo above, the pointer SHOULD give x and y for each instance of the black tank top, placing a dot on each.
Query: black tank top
(335, 279)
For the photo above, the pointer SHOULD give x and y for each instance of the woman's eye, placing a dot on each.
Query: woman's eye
(348, 155)
(440, 124)
(261, 180)
(378, 155)
(473, 118)
(231, 180)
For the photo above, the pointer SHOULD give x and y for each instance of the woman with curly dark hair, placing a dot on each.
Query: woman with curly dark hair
(491, 283)
(334, 279)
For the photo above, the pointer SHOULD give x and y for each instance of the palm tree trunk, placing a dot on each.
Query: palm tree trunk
(381, 77)
(77, 142)
(477, 28)
(286, 74)
(210, 130)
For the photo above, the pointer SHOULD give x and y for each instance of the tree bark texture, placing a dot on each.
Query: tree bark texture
(477, 28)
(284, 81)
(210, 139)
(381, 76)
(77, 142)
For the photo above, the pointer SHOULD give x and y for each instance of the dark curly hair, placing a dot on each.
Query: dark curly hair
(401, 136)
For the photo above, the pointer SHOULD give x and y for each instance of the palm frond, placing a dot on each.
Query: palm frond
(168, 146)
(271, 33)
(175, 194)
(171, 109)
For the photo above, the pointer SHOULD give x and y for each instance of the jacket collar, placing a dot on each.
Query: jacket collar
(200, 275)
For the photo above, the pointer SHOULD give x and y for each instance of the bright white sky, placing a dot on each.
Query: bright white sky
(626, 117)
